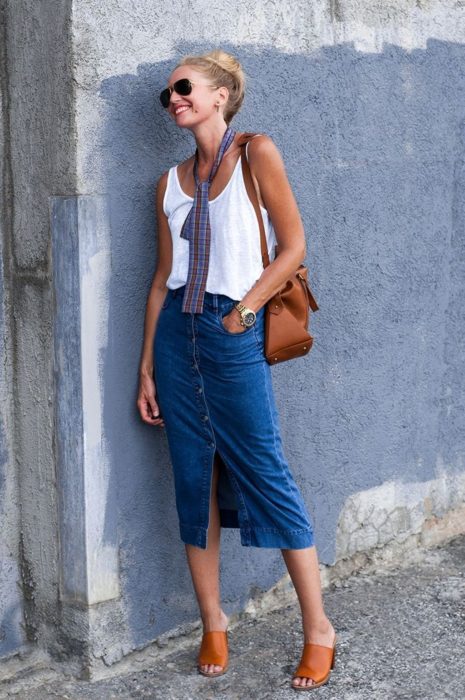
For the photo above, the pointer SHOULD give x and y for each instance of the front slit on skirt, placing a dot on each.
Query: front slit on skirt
(214, 390)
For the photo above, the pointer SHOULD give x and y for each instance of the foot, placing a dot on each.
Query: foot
(324, 634)
(219, 623)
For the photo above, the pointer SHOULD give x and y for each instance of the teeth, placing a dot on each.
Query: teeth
(181, 109)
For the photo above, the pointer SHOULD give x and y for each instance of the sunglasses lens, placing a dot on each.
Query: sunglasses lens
(182, 87)
(165, 97)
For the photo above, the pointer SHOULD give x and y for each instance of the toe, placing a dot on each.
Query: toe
(302, 681)
(211, 668)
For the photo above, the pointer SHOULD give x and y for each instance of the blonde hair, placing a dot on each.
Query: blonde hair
(224, 70)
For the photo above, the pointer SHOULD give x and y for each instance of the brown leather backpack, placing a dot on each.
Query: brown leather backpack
(287, 312)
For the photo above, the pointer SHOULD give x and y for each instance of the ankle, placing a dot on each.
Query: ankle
(317, 626)
(214, 620)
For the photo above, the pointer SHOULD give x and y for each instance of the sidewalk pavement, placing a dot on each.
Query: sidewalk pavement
(401, 636)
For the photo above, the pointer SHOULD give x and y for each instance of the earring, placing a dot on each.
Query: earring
(217, 106)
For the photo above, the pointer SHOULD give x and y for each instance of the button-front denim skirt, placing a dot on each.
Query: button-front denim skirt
(214, 390)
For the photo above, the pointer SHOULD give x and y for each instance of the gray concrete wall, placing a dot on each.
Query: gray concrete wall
(38, 149)
(11, 600)
(365, 101)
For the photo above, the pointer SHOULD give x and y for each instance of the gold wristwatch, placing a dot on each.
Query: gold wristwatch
(248, 316)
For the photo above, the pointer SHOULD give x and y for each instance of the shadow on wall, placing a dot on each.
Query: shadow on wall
(374, 149)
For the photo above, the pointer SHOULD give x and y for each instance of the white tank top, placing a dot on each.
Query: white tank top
(235, 254)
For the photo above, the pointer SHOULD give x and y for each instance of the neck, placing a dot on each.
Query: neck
(208, 138)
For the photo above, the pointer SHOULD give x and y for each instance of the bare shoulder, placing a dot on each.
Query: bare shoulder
(263, 151)
(162, 180)
(266, 167)
(160, 188)
(265, 161)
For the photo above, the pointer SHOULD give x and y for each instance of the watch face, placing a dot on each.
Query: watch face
(249, 318)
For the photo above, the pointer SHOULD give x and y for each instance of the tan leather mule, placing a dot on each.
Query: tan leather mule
(316, 663)
(214, 650)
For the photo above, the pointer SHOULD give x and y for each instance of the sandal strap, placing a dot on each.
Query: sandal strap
(315, 662)
(214, 648)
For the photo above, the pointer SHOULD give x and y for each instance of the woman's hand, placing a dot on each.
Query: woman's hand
(232, 323)
(146, 403)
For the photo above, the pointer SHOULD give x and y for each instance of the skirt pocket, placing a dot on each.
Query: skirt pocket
(256, 331)
(224, 311)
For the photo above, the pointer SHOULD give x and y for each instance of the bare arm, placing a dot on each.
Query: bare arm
(269, 173)
(146, 400)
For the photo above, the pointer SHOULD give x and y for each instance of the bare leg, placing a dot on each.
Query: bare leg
(302, 565)
(204, 568)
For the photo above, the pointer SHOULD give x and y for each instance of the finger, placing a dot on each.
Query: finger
(157, 417)
(146, 412)
(154, 407)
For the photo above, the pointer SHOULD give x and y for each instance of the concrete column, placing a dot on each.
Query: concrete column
(86, 492)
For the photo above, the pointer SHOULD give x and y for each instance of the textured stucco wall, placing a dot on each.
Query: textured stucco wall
(365, 101)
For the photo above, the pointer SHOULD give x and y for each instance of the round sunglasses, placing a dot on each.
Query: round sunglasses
(183, 87)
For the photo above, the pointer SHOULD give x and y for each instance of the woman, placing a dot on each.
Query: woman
(204, 340)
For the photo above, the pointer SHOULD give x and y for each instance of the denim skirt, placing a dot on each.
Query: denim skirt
(214, 390)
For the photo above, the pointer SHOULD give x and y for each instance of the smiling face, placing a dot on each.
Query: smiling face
(200, 104)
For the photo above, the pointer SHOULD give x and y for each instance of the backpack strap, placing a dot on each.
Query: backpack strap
(252, 192)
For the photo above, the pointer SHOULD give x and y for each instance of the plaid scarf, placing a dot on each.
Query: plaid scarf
(196, 229)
